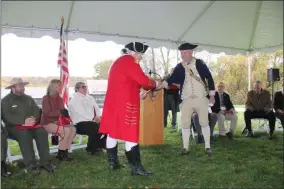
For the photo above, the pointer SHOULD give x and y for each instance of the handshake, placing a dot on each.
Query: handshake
(159, 86)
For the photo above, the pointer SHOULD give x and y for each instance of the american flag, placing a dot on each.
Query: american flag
(64, 71)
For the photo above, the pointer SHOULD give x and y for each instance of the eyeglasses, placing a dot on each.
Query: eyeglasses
(83, 86)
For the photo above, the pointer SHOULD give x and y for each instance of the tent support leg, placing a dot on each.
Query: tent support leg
(249, 70)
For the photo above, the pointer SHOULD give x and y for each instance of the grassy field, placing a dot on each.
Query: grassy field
(240, 163)
(239, 106)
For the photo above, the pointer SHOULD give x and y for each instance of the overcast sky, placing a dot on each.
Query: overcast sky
(38, 57)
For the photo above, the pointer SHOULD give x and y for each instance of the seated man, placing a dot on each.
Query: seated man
(86, 115)
(278, 105)
(212, 122)
(225, 110)
(258, 105)
(21, 116)
(4, 148)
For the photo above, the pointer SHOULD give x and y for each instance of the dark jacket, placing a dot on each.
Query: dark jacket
(226, 101)
(178, 76)
(278, 103)
(15, 109)
(258, 102)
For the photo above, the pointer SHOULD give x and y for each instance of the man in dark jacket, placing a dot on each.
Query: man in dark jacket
(225, 110)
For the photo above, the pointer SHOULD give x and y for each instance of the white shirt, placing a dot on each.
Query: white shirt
(191, 87)
(81, 108)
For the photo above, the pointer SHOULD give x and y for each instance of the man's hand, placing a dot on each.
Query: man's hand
(222, 112)
(30, 121)
(158, 85)
(280, 111)
(232, 111)
(97, 119)
(267, 109)
(143, 94)
(212, 100)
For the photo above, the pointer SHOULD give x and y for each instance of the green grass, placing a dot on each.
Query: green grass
(241, 163)
(239, 106)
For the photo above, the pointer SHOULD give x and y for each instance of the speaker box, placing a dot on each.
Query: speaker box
(273, 74)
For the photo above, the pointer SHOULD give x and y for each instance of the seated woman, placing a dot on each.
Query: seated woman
(52, 105)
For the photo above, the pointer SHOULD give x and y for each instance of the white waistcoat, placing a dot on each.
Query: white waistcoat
(191, 87)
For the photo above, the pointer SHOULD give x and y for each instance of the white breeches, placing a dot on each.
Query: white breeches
(111, 143)
(200, 106)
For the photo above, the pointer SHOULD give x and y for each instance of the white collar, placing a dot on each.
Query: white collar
(192, 62)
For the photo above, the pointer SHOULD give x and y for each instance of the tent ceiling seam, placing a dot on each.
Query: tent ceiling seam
(122, 36)
(195, 20)
(255, 23)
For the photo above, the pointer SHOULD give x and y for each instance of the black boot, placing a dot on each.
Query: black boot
(230, 135)
(60, 155)
(270, 135)
(249, 134)
(199, 139)
(112, 158)
(67, 157)
(4, 170)
(134, 159)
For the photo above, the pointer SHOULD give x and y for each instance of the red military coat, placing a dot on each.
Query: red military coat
(121, 112)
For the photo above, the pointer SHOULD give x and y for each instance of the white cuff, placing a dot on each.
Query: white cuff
(165, 85)
(209, 110)
(157, 83)
(212, 93)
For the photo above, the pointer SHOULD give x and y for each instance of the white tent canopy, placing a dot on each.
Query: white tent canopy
(216, 26)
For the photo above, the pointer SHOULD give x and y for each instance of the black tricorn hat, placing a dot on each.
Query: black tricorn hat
(186, 46)
(137, 47)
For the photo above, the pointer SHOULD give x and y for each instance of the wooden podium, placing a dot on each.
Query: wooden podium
(152, 120)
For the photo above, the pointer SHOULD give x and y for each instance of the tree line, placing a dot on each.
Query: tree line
(41, 81)
(231, 69)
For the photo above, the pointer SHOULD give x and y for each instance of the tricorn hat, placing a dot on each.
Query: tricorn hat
(137, 47)
(187, 46)
(15, 81)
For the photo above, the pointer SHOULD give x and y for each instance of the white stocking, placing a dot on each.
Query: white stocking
(129, 145)
(185, 138)
(110, 142)
(206, 135)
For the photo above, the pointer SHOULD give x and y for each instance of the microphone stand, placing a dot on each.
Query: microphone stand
(154, 73)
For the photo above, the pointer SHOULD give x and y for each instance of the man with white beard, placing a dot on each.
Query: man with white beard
(196, 86)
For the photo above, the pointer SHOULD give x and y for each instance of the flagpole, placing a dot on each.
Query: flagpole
(67, 59)
(61, 34)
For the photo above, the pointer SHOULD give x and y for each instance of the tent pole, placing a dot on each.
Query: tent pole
(249, 70)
